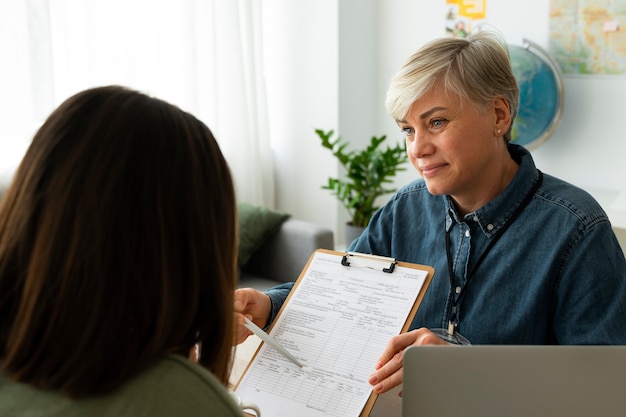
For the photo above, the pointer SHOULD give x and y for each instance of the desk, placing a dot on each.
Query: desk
(387, 405)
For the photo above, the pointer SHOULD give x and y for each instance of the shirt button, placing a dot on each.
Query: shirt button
(490, 227)
(475, 218)
(458, 290)
(467, 233)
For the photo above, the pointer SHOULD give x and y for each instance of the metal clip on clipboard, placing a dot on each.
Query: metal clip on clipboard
(369, 260)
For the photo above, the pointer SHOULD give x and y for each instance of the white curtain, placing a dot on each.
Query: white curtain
(205, 56)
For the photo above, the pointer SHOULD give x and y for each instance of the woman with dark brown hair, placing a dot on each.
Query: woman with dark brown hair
(117, 259)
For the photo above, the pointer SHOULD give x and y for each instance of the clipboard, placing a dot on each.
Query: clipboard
(339, 270)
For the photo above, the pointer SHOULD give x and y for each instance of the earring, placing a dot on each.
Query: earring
(498, 131)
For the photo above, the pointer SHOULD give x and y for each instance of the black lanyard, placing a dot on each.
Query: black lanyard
(453, 318)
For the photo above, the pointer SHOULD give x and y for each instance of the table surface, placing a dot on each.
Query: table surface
(387, 405)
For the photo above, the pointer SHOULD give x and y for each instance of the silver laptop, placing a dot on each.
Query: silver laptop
(514, 381)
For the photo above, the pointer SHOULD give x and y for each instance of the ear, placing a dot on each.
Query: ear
(502, 112)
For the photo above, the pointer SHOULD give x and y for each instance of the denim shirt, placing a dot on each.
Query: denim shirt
(557, 274)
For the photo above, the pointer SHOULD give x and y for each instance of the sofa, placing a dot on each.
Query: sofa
(284, 254)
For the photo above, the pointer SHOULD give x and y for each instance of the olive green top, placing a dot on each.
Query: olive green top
(174, 386)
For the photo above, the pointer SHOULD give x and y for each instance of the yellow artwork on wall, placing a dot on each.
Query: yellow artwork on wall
(463, 15)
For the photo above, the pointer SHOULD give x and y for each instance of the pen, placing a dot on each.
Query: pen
(270, 341)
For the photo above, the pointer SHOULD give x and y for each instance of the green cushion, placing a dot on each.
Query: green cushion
(256, 225)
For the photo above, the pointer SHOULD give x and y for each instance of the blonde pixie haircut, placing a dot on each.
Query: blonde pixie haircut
(476, 68)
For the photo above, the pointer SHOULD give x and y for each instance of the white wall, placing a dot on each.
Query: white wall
(588, 149)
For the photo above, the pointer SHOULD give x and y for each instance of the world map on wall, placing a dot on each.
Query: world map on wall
(541, 95)
(588, 36)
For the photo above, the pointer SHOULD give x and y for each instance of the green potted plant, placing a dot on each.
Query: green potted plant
(369, 173)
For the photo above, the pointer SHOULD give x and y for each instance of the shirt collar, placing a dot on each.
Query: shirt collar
(495, 214)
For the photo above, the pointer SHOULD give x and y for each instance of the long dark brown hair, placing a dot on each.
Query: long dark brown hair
(117, 245)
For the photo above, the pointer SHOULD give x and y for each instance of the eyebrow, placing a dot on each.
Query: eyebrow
(431, 111)
(426, 113)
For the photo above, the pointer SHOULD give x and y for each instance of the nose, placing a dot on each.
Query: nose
(417, 144)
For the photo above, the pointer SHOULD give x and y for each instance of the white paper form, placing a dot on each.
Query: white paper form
(337, 323)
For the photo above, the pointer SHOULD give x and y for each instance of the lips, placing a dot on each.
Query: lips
(431, 170)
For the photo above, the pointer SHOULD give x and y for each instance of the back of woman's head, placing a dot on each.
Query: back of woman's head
(476, 68)
(117, 244)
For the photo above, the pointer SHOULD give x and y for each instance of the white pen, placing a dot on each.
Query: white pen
(270, 341)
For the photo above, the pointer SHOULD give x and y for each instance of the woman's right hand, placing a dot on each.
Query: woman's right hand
(254, 305)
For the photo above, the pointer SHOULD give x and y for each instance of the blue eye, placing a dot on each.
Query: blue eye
(408, 131)
(438, 123)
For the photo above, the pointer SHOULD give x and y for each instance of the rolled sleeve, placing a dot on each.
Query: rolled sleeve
(277, 295)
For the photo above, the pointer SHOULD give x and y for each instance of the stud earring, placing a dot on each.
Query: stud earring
(498, 131)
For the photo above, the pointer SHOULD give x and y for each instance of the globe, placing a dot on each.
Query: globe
(541, 94)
